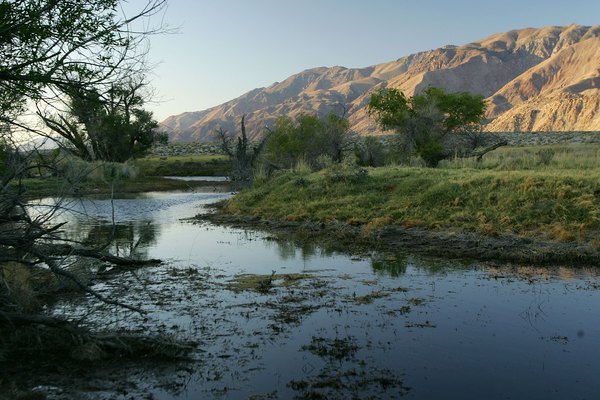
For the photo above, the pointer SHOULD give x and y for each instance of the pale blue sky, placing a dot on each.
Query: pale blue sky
(225, 48)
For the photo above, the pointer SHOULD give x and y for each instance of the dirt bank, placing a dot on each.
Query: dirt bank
(462, 245)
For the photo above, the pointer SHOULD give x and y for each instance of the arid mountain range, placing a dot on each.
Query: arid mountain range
(544, 79)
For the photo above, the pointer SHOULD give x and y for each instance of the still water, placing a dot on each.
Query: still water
(350, 326)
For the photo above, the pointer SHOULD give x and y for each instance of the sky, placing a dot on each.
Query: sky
(224, 48)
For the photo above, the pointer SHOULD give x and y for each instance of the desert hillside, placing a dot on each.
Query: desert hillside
(544, 79)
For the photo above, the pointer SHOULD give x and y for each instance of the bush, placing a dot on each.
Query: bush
(319, 142)
(346, 171)
(371, 152)
(76, 170)
(545, 156)
(432, 152)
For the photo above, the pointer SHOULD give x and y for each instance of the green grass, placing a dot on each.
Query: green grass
(510, 192)
(78, 177)
(196, 165)
(36, 187)
(573, 156)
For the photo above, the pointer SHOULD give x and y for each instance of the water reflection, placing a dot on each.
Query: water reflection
(125, 239)
(304, 250)
(393, 266)
(444, 328)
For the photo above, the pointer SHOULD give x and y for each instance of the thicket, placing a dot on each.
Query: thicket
(309, 139)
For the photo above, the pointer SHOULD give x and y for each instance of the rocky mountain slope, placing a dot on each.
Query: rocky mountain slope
(544, 79)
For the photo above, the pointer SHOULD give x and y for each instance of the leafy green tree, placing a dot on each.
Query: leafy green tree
(427, 119)
(109, 127)
(49, 46)
(307, 138)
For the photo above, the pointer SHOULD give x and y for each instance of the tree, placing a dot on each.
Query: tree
(50, 49)
(307, 138)
(244, 159)
(427, 119)
(109, 127)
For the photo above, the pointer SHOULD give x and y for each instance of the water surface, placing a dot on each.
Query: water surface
(380, 325)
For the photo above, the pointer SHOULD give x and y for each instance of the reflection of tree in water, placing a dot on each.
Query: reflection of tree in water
(396, 264)
(288, 249)
(131, 238)
(390, 265)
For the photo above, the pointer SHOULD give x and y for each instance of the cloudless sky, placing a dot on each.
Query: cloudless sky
(225, 48)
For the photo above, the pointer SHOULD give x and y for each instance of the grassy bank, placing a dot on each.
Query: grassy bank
(191, 165)
(37, 187)
(72, 176)
(542, 193)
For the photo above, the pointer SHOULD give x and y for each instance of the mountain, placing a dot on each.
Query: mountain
(544, 79)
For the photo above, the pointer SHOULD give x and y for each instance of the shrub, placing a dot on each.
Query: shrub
(545, 155)
(371, 152)
(317, 141)
(76, 170)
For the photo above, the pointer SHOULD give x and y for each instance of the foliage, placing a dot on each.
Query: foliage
(4, 158)
(49, 46)
(371, 152)
(427, 118)
(110, 127)
(161, 138)
(78, 171)
(307, 138)
(50, 50)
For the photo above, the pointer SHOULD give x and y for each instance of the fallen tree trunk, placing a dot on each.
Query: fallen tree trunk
(18, 319)
(484, 151)
(66, 250)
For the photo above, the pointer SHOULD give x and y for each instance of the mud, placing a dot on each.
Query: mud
(457, 245)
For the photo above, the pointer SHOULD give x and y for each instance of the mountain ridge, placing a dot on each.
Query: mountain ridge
(534, 79)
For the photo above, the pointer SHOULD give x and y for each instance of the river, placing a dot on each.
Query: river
(329, 325)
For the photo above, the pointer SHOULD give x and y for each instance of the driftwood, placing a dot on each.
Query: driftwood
(479, 154)
(18, 319)
(68, 250)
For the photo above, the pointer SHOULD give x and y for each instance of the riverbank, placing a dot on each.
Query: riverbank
(511, 207)
(56, 186)
(343, 237)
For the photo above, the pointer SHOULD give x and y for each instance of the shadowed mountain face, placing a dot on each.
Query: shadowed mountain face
(544, 79)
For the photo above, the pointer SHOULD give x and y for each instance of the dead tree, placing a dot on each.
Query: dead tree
(244, 157)
(32, 244)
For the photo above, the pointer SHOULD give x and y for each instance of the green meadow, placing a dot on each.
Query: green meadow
(542, 192)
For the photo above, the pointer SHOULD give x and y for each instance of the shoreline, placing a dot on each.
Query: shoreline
(121, 187)
(442, 243)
